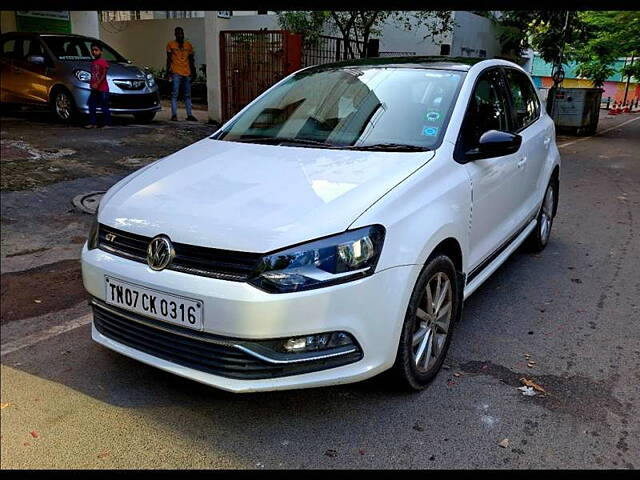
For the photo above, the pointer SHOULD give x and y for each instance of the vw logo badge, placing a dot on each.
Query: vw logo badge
(160, 252)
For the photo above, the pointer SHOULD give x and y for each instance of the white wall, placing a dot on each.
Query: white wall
(85, 23)
(394, 38)
(145, 41)
(472, 34)
(251, 21)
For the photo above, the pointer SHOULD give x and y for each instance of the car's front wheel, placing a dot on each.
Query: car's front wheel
(63, 106)
(434, 308)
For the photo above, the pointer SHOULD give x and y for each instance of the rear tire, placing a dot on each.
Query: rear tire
(144, 117)
(434, 309)
(539, 237)
(62, 106)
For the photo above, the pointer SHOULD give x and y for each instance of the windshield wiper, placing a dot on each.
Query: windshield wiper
(380, 147)
(280, 140)
(388, 147)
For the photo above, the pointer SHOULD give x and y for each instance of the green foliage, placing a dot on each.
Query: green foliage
(310, 24)
(594, 39)
(596, 71)
(541, 30)
(609, 35)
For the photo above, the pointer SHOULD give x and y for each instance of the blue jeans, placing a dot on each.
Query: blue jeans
(96, 98)
(186, 81)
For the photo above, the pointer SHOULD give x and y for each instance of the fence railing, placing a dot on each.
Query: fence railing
(327, 49)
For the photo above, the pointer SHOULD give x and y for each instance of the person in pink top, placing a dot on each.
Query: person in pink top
(99, 88)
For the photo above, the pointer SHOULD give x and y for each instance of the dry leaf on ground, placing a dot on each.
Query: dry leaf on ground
(531, 383)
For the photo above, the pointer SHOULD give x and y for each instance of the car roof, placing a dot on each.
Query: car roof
(439, 62)
(45, 34)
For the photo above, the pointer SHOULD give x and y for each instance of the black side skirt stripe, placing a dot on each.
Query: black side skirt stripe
(487, 261)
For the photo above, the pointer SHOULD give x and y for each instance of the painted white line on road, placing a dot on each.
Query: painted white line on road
(32, 339)
(599, 133)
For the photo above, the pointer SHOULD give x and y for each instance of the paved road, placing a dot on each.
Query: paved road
(575, 309)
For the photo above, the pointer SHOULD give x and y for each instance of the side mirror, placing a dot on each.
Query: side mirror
(495, 143)
(37, 59)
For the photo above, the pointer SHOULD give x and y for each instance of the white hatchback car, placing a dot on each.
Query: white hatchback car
(331, 230)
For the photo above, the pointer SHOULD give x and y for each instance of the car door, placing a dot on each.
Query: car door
(536, 140)
(33, 78)
(7, 72)
(494, 180)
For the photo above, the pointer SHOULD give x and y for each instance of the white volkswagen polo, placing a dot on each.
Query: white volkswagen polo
(329, 231)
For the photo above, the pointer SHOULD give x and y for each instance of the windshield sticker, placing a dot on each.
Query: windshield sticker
(433, 116)
(430, 131)
(73, 57)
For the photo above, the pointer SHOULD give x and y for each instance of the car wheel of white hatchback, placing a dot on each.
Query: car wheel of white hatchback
(539, 237)
(434, 308)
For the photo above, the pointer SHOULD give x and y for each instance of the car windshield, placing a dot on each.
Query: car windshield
(386, 108)
(77, 48)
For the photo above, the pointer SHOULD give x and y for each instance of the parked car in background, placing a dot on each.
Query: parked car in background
(53, 70)
(329, 231)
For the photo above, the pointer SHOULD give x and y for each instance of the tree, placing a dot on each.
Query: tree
(544, 31)
(609, 35)
(310, 24)
(361, 25)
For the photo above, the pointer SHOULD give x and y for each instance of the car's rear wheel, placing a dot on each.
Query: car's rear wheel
(434, 308)
(144, 117)
(539, 237)
(63, 106)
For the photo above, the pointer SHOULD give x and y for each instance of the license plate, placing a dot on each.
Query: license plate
(167, 307)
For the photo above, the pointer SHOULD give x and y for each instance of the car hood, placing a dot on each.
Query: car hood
(254, 198)
(123, 71)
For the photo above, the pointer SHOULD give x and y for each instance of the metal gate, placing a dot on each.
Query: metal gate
(252, 61)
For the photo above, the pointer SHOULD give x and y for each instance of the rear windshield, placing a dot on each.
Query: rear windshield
(70, 48)
(354, 106)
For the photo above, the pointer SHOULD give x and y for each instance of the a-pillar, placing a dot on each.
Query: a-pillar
(212, 27)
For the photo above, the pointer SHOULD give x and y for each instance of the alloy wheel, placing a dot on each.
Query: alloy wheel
(433, 318)
(63, 105)
(546, 216)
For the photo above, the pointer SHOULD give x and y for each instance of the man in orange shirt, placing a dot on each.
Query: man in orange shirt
(180, 70)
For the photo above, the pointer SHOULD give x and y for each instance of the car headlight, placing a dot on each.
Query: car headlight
(150, 80)
(337, 259)
(83, 75)
(93, 237)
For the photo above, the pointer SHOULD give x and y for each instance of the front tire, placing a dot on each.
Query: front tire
(62, 106)
(539, 237)
(434, 308)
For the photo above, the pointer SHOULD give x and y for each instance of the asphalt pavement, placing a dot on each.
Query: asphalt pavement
(567, 319)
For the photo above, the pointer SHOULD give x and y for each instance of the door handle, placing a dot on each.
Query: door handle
(522, 161)
(547, 141)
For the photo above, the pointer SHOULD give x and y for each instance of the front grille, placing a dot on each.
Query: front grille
(197, 350)
(203, 261)
(133, 100)
(130, 84)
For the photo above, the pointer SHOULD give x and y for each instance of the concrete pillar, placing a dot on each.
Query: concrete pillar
(7, 21)
(212, 27)
(85, 23)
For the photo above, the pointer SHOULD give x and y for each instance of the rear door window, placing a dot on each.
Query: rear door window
(524, 98)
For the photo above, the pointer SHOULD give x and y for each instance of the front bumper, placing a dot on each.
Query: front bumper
(371, 310)
(146, 100)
